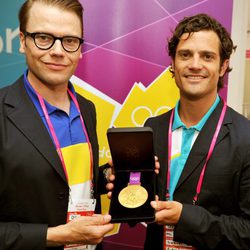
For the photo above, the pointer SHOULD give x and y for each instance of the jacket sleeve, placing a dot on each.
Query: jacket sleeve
(199, 227)
(22, 236)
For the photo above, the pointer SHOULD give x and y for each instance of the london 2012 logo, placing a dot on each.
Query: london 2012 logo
(7, 39)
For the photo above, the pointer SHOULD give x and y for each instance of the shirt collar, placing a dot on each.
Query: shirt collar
(177, 123)
(50, 108)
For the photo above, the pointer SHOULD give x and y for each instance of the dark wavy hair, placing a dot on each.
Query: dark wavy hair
(203, 22)
(69, 5)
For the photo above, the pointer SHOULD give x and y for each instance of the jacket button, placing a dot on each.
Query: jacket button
(62, 196)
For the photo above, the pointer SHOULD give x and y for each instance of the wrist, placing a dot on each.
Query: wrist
(56, 236)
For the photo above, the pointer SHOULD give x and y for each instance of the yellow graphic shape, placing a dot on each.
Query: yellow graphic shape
(77, 161)
(141, 103)
(104, 111)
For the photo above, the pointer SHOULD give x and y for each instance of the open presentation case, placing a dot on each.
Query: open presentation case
(132, 154)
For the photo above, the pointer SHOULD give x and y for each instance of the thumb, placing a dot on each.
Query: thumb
(158, 205)
(102, 219)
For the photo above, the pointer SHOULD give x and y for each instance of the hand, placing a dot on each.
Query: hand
(157, 165)
(110, 178)
(82, 230)
(167, 212)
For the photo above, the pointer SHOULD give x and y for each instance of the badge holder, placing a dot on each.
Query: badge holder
(134, 187)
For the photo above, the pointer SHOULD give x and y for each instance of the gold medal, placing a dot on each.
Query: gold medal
(133, 196)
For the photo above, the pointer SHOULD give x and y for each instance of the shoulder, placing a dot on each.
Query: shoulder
(239, 127)
(85, 103)
(238, 120)
(159, 120)
(3, 92)
(13, 88)
(88, 110)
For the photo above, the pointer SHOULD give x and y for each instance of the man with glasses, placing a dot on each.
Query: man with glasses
(45, 41)
(49, 177)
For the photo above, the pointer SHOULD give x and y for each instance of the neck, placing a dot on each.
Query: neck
(54, 95)
(191, 112)
(59, 100)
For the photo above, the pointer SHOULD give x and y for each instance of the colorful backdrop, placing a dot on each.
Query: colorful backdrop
(124, 69)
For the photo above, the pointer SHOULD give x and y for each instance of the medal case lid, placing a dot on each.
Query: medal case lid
(132, 150)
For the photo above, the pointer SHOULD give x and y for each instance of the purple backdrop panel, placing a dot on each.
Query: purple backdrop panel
(173, 6)
(108, 20)
(153, 37)
(126, 39)
(113, 73)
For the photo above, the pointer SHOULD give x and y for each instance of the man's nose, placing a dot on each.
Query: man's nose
(57, 47)
(196, 62)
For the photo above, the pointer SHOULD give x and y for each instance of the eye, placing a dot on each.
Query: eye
(184, 55)
(208, 56)
(70, 40)
(44, 37)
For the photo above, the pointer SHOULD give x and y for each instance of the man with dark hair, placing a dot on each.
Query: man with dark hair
(203, 147)
(50, 184)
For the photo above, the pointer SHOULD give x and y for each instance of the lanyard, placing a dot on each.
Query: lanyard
(56, 141)
(210, 151)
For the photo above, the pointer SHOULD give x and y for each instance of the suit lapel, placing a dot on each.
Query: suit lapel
(85, 112)
(201, 146)
(23, 114)
(162, 148)
(88, 115)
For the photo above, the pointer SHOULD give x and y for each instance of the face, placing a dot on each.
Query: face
(53, 67)
(197, 65)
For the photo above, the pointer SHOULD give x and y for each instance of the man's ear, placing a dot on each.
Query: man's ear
(171, 69)
(172, 65)
(224, 67)
(22, 42)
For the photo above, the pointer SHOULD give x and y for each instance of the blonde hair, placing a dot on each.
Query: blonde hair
(68, 5)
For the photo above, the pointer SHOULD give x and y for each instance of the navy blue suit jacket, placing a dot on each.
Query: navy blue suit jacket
(221, 218)
(33, 188)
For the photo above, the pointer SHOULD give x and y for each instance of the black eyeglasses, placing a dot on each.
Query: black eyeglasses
(45, 41)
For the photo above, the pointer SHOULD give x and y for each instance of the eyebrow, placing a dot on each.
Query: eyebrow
(200, 52)
(51, 34)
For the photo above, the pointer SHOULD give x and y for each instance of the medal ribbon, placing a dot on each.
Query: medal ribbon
(210, 151)
(56, 141)
(134, 178)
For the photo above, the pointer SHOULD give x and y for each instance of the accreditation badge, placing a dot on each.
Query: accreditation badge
(170, 244)
(81, 207)
(134, 195)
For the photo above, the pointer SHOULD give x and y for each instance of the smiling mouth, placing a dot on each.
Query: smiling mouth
(195, 77)
(55, 66)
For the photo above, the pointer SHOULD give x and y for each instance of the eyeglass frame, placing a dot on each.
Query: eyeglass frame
(33, 35)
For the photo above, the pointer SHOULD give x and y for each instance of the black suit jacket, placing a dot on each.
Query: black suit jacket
(221, 218)
(33, 188)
